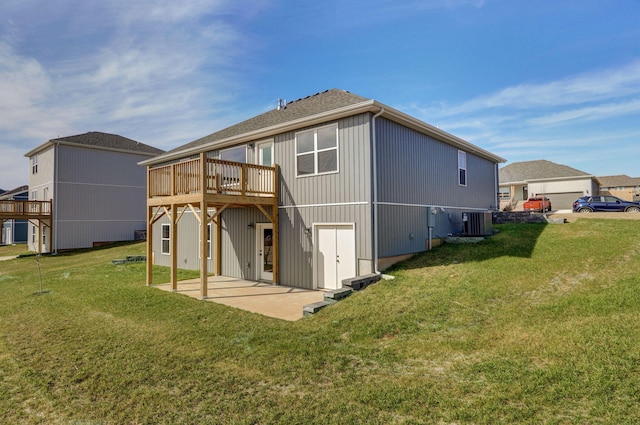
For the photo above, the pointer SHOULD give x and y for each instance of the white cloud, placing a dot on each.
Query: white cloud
(155, 71)
(597, 86)
(590, 113)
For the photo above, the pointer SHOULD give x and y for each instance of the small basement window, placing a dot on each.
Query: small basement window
(165, 238)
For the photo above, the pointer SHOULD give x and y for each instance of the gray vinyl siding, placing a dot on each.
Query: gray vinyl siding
(416, 169)
(350, 184)
(415, 172)
(188, 254)
(342, 197)
(347, 193)
(101, 196)
(296, 246)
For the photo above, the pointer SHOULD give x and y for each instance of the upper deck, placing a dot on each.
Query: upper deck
(218, 181)
(23, 210)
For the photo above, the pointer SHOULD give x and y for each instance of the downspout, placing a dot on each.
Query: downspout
(496, 182)
(56, 197)
(375, 190)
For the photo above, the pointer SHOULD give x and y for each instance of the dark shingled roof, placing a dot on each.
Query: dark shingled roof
(537, 170)
(305, 107)
(10, 193)
(621, 180)
(109, 141)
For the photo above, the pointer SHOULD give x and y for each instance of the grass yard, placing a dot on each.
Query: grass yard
(538, 324)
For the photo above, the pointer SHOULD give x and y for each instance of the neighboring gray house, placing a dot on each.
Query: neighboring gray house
(97, 188)
(12, 230)
(622, 186)
(560, 183)
(327, 187)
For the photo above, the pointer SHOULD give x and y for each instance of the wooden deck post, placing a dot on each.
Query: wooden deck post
(174, 247)
(204, 223)
(149, 246)
(276, 227)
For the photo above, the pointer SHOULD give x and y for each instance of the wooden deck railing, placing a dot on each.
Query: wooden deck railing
(24, 209)
(222, 177)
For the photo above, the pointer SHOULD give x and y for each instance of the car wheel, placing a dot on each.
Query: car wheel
(633, 209)
(585, 210)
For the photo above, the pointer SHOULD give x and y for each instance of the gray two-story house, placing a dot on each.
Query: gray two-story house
(327, 187)
(92, 188)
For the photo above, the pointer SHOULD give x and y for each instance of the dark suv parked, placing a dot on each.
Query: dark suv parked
(588, 204)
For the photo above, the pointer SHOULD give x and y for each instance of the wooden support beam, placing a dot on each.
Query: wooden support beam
(218, 212)
(204, 220)
(174, 247)
(39, 236)
(195, 213)
(149, 246)
(266, 214)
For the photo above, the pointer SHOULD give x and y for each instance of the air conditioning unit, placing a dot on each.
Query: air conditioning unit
(479, 224)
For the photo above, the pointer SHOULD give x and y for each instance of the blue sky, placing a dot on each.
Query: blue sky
(527, 80)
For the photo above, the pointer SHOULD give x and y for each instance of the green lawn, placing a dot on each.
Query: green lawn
(16, 249)
(538, 324)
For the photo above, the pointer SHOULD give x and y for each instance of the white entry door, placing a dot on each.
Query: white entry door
(264, 260)
(335, 255)
(264, 156)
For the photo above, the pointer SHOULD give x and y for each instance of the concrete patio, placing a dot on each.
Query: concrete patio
(281, 302)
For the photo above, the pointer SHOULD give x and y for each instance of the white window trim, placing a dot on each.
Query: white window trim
(208, 242)
(316, 151)
(257, 151)
(34, 164)
(460, 167)
(162, 239)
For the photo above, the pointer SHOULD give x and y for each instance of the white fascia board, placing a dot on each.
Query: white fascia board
(589, 177)
(435, 132)
(265, 132)
(361, 107)
(512, 183)
(39, 149)
(50, 143)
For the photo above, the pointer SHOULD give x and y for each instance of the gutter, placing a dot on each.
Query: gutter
(56, 196)
(374, 155)
(334, 114)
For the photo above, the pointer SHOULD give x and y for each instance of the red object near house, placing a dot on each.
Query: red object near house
(537, 203)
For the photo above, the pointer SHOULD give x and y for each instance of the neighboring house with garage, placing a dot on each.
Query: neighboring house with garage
(327, 187)
(560, 183)
(12, 230)
(94, 188)
(622, 186)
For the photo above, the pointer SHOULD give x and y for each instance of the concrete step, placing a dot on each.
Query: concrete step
(310, 309)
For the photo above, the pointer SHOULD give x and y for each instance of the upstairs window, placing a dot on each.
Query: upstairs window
(34, 164)
(462, 168)
(236, 154)
(317, 151)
